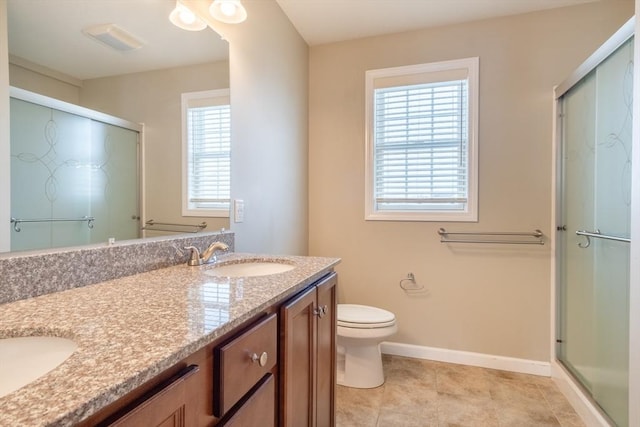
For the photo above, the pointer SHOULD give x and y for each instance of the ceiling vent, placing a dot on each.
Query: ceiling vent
(114, 37)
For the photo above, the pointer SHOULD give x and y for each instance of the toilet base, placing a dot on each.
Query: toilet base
(360, 366)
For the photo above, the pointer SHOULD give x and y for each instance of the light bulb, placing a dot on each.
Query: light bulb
(228, 8)
(184, 18)
(187, 16)
(228, 11)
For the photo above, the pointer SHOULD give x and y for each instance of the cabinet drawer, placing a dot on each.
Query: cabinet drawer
(163, 406)
(242, 362)
(259, 409)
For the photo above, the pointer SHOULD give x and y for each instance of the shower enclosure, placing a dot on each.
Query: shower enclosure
(594, 198)
(74, 174)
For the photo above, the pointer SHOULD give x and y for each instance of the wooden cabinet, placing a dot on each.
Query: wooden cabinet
(326, 353)
(308, 356)
(163, 406)
(276, 369)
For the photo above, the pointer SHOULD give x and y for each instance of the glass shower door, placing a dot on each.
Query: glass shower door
(66, 168)
(114, 183)
(594, 250)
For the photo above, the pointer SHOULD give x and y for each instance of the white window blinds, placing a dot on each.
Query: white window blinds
(208, 155)
(421, 146)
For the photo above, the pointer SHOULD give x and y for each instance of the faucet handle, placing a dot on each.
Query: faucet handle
(195, 256)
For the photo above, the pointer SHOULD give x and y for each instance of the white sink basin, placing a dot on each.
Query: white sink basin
(249, 269)
(25, 359)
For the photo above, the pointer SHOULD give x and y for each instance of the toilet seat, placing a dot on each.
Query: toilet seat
(364, 317)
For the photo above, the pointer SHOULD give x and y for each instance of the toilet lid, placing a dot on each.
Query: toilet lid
(364, 316)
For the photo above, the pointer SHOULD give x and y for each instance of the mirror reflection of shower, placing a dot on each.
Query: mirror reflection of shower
(74, 174)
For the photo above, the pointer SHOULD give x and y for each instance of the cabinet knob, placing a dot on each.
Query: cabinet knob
(261, 360)
(321, 311)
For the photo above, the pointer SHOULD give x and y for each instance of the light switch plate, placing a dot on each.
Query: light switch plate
(238, 210)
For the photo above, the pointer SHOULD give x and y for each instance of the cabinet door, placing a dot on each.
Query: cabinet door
(326, 353)
(163, 407)
(258, 410)
(297, 360)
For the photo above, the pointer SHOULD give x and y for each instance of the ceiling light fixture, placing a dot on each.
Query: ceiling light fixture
(114, 37)
(184, 18)
(228, 11)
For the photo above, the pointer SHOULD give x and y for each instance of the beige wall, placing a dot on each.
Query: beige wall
(33, 81)
(269, 75)
(154, 98)
(486, 299)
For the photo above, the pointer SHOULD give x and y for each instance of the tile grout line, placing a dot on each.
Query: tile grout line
(546, 400)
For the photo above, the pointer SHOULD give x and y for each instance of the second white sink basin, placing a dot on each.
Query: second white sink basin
(25, 359)
(249, 269)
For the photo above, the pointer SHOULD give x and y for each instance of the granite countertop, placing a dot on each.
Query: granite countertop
(129, 330)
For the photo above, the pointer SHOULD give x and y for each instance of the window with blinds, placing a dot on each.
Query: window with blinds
(207, 153)
(421, 146)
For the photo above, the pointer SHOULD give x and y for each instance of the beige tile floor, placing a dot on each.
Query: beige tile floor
(421, 393)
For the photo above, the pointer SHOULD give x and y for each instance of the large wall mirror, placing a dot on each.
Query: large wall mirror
(51, 55)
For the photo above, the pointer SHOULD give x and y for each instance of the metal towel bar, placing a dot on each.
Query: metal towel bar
(481, 237)
(17, 221)
(166, 226)
(597, 234)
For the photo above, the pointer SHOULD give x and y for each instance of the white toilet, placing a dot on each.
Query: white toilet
(361, 329)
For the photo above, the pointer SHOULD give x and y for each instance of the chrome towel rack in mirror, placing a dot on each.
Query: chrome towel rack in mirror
(17, 221)
(597, 234)
(506, 237)
(152, 225)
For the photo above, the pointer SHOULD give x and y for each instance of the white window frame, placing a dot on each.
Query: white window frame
(414, 74)
(217, 97)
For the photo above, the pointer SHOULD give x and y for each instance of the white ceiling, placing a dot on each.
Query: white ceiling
(325, 21)
(48, 32)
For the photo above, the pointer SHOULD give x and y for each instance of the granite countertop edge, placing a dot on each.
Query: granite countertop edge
(169, 298)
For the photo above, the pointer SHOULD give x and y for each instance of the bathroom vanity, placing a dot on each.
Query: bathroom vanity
(184, 346)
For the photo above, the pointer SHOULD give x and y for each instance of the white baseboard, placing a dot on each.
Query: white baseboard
(524, 366)
(583, 406)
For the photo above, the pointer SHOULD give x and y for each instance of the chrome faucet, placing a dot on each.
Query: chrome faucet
(208, 255)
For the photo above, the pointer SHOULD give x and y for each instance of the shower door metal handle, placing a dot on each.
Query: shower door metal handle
(597, 234)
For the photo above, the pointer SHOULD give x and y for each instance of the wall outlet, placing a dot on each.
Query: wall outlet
(238, 210)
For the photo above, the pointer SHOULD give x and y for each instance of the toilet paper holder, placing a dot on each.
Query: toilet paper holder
(409, 283)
